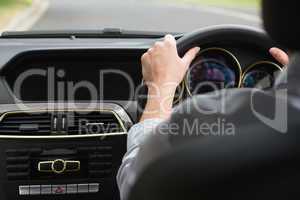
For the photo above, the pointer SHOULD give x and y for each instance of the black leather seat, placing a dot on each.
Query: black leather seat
(252, 165)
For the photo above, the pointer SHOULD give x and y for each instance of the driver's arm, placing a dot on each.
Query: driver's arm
(163, 70)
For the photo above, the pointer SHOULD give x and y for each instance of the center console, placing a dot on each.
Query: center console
(48, 154)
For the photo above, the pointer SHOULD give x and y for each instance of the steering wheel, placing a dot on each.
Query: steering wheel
(229, 33)
(212, 36)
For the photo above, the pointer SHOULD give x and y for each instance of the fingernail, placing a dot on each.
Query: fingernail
(197, 48)
(273, 51)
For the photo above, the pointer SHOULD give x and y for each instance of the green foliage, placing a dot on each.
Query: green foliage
(7, 3)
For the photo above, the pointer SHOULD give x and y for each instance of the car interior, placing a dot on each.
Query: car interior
(68, 141)
(42, 143)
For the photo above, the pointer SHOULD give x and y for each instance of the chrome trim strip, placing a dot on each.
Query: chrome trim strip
(65, 163)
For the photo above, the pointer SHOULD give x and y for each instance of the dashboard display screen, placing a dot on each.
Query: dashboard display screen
(213, 69)
(75, 77)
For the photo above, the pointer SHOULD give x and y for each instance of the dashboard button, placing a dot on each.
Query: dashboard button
(34, 189)
(46, 189)
(23, 190)
(93, 187)
(72, 189)
(58, 166)
(72, 166)
(58, 189)
(83, 188)
(45, 166)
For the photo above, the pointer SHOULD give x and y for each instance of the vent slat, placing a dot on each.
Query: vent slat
(26, 121)
(100, 163)
(99, 156)
(100, 116)
(17, 159)
(20, 133)
(94, 149)
(27, 116)
(94, 121)
(17, 175)
(113, 125)
(99, 173)
(18, 168)
(20, 124)
(84, 123)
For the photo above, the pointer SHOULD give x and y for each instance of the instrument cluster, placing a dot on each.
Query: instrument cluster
(218, 68)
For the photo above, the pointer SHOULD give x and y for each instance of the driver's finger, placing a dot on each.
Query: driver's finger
(145, 59)
(190, 56)
(170, 39)
(280, 55)
(150, 50)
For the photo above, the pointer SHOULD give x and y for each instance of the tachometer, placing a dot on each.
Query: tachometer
(213, 69)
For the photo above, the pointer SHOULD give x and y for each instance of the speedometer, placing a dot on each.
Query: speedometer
(213, 69)
(260, 75)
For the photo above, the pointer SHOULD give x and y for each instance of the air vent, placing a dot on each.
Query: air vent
(18, 163)
(94, 123)
(61, 124)
(20, 124)
(100, 161)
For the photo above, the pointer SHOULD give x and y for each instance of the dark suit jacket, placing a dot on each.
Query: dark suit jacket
(232, 125)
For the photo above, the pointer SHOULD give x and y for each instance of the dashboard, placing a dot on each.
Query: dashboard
(105, 71)
(66, 106)
(114, 75)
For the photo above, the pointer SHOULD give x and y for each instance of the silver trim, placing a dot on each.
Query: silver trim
(95, 124)
(55, 123)
(63, 123)
(117, 110)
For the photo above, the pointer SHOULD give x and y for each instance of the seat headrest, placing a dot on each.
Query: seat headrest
(281, 21)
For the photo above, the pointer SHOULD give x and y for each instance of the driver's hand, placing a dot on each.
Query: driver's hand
(280, 55)
(163, 70)
(162, 65)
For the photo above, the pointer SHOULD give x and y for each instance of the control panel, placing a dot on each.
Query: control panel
(84, 188)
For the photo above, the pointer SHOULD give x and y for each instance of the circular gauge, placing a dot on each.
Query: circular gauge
(260, 75)
(213, 69)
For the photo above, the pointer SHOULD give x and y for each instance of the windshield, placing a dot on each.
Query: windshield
(141, 15)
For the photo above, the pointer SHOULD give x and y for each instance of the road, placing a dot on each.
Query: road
(145, 15)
